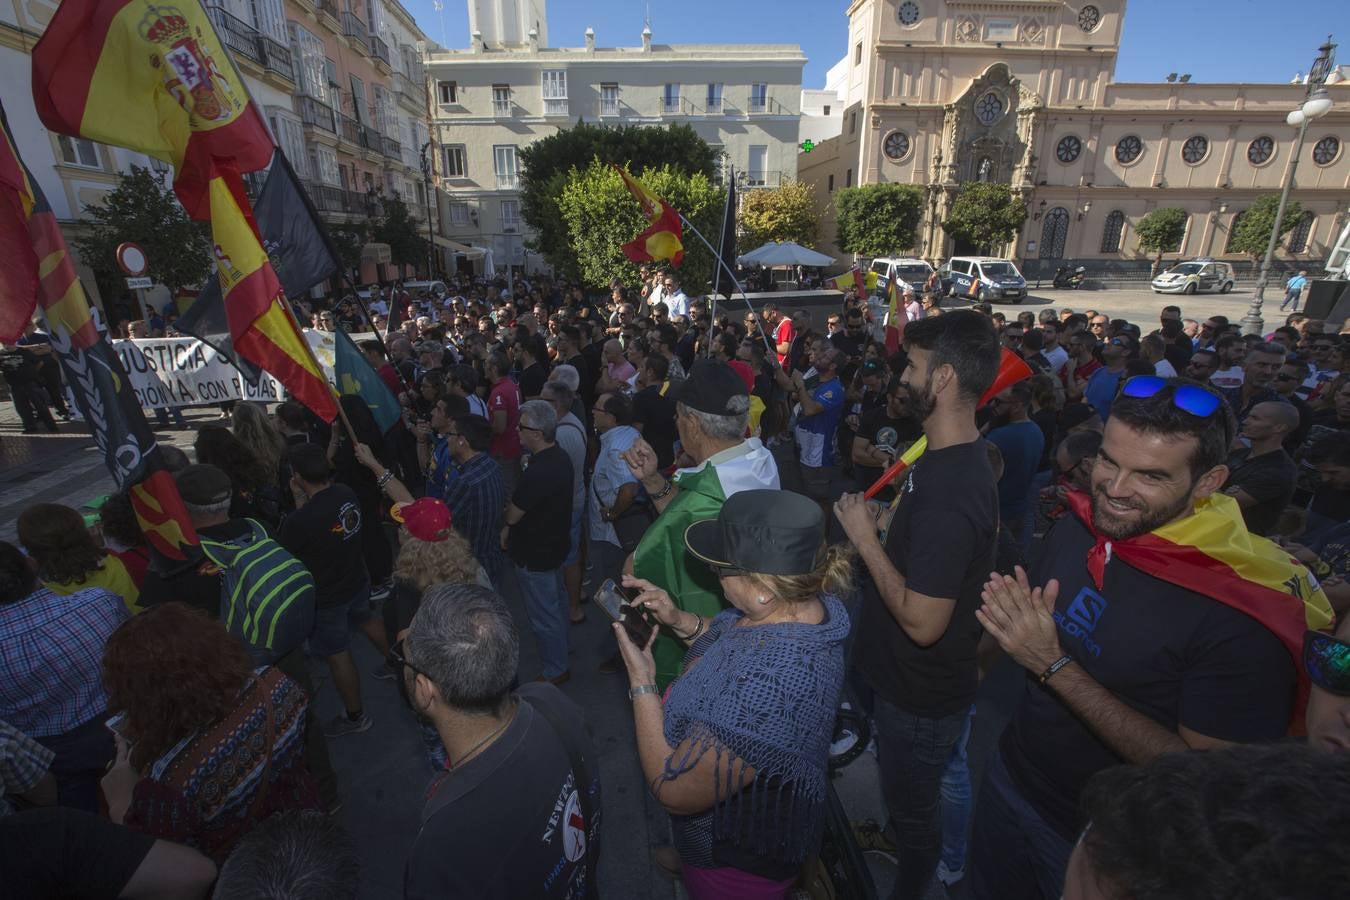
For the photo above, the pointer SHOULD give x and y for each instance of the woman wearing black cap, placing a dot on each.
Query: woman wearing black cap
(737, 751)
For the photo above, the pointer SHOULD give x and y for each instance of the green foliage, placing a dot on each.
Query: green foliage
(405, 236)
(784, 213)
(142, 210)
(546, 164)
(878, 219)
(348, 241)
(599, 216)
(1251, 232)
(985, 215)
(1161, 231)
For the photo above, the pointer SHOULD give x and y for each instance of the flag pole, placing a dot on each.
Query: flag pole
(717, 273)
(722, 266)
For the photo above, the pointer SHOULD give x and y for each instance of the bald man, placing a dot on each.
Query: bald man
(1261, 477)
(618, 374)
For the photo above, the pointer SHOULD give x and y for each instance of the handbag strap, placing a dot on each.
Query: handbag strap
(582, 776)
(260, 798)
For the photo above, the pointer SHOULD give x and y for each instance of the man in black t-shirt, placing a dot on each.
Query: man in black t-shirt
(1123, 665)
(883, 434)
(1261, 476)
(654, 410)
(537, 534)
(918, 635)
(324, 533)
(529, 355)
(517, 813)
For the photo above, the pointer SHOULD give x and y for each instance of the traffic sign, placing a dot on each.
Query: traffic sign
(140, 282)
(131, 259)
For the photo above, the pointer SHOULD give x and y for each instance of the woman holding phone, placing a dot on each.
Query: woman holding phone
(737, 750)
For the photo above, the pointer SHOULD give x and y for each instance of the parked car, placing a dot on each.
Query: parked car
(913, 272)
(1195, 276)
(983, 278)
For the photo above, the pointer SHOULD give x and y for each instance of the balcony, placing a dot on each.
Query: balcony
(762, 178)
(277, 58)
(508, 181)
(350, 130)
(240, 37)
(316, 114)
(371, 139)
(328, 15)
(713, 107)
(392, 148)
(674, 106)
(609, 107)
(380, 50)
(409, 92)
(766, 104)
(355, 31)
(555, 107)
(501, 109)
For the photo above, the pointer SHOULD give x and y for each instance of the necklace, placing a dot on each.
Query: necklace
(450, 765)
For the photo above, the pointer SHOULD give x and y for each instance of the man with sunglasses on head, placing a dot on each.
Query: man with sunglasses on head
(1137, 600)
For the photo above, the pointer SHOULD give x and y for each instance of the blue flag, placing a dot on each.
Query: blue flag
(355, 376)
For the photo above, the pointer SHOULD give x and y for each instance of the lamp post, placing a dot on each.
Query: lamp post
(1316, 105)
(430, 196)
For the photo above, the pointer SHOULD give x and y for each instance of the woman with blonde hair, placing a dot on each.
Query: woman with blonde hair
(254, 428)
(737, 751)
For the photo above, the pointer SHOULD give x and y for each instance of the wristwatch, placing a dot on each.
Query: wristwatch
(636, 692)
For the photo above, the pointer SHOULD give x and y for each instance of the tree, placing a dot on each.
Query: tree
(985, 215)
(784, 213)
(546, 165)
(348, 241)
(878, 219)
(1161, 231)
(403, 234)
(142, 210)
(1251, 231)
(600, 216)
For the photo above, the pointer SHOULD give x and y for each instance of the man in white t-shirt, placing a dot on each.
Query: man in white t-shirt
(1151, 348)
(1232, 352)
(673, 296)
(1054, 354)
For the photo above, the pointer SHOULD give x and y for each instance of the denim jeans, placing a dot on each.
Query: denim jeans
(1015, 854)
(912, 754)
(955, 798)
(546, 605)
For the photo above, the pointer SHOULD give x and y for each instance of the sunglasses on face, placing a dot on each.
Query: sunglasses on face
(399, 660)
(1186, 397)
(1327, 662)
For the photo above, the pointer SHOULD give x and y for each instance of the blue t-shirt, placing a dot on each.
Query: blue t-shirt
(1101, 391)
(439, 468)
(815, 434)
(1021, 444)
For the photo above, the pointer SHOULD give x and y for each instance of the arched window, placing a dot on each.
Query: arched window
(1232, 230)
(1054, 233)
(1298, 238)
(1115, 224)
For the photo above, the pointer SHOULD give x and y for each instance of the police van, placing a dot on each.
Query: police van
(983, 278)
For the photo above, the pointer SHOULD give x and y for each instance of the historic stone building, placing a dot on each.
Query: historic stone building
(1022, 92)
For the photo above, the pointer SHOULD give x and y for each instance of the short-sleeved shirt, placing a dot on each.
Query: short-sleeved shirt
(1057, 356)
(1268, 479)
(1021, 444)
(51, 658)
(111, 575)
(541, 539)
(62, 852)
(942, 540)
(438, 467)
(509, 823)
(571, 436)
(1228, 379)
(784, 334)
(879, 429)
(1176, 656)
(476, 497)
(815, 433)
(325, 535)
(654, 410)
(23, 762)
(611, 474)
(505, 396)
(532, 379)
(1100, 392)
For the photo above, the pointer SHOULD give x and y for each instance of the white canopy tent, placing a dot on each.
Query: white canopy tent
(784, 254)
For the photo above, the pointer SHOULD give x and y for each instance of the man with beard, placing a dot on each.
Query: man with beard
(1125, 664)
(918, 635)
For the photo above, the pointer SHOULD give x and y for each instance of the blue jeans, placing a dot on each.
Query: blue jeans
(1291, 297)
(546, 605)
(912, 754)
(1015, 854)
(954, 794)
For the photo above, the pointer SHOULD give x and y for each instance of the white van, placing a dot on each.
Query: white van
(982, 278)
(912, 272)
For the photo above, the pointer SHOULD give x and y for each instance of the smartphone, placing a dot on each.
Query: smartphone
(617, 602)
(117, 724)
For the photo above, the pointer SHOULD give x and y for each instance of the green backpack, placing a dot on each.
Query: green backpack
(266, 594)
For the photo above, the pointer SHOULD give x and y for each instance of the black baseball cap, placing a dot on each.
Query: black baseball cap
(203, 485)
(762, 531)
(710, 388)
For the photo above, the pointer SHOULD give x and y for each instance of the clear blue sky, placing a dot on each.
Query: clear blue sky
(1214, 40)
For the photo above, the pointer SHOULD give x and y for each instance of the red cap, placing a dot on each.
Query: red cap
(747, 374)
(427, 519)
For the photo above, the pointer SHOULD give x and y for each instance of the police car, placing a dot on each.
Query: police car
(983, 278)
(1195, 276)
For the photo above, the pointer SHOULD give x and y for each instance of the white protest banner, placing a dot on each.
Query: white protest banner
(184, 371)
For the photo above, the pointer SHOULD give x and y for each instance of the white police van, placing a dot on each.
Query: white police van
(983, 278)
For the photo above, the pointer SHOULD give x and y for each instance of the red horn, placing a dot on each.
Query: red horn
(1011, 369)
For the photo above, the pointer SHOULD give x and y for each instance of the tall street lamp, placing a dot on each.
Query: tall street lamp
(430, 196)
(1316, 105)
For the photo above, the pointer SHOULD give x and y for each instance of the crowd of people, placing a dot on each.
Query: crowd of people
(705, 471)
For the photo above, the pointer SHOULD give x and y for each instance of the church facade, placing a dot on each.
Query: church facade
(1022, 92)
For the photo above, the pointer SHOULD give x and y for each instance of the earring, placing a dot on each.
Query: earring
(763, 601)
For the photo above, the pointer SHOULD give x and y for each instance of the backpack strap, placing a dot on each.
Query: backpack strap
(581, 775)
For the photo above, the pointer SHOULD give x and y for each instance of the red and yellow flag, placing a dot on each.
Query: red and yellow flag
(38, 270)
(153, 78)
(854, 278)
(1212, 553)
(663, 238)
(262, 328)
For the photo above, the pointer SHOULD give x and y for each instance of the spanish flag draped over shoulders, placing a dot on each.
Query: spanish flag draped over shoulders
(155, 78)
(1213, 554)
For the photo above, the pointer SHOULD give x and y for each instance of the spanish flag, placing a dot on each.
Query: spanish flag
(854, 278)
(37, 270)
(1212, 553)
(664, 236)
(153, 78)
(896, 317)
